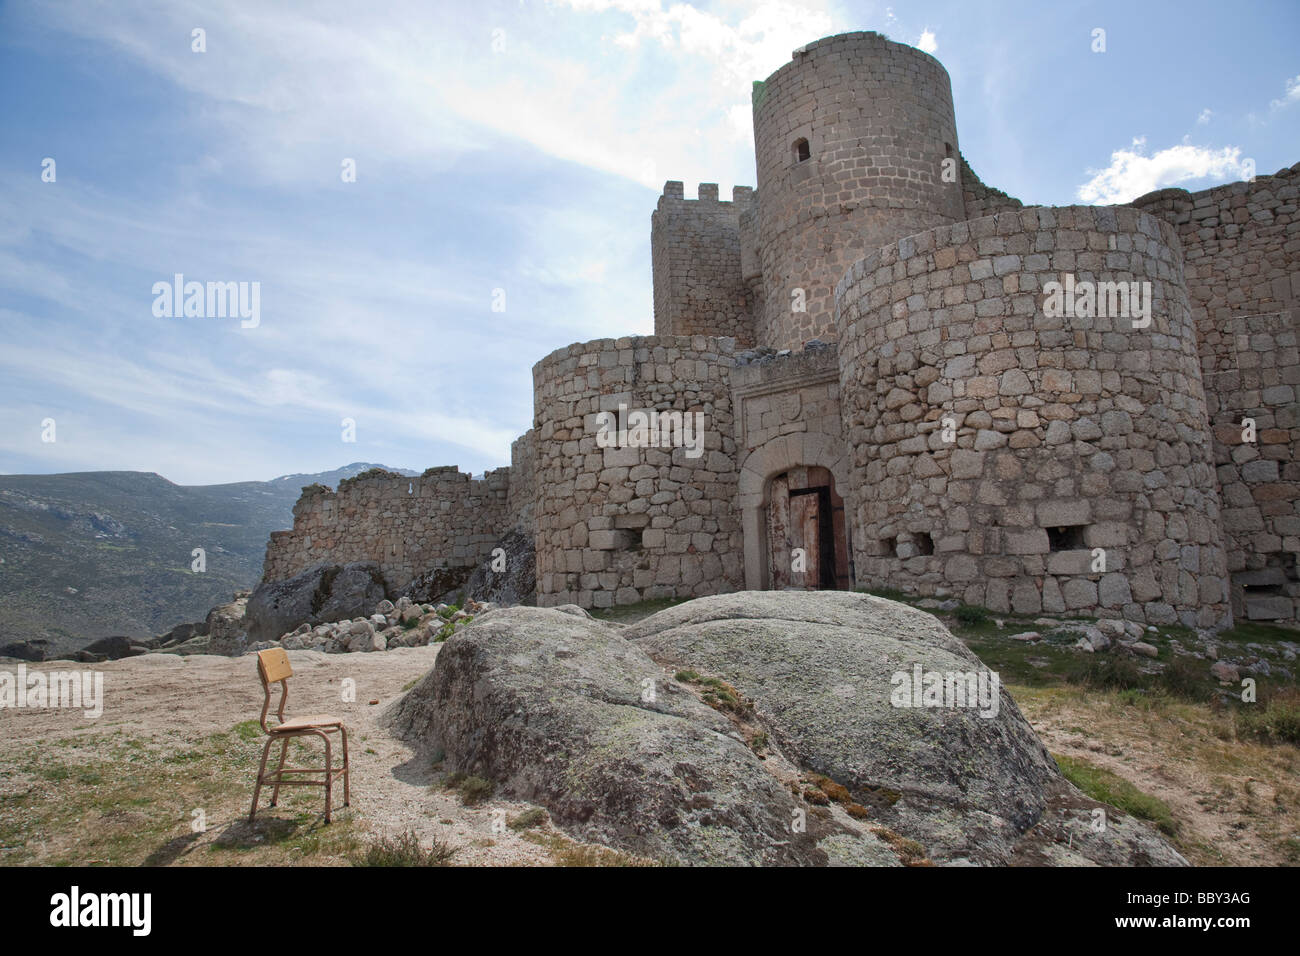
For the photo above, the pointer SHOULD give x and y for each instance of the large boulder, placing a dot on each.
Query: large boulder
(554, 708)
(510, 578)
(831, 673)
(436, 584)
(112, 648)
(318, 595)
(35, 650)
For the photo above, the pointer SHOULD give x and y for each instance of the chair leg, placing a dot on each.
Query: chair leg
(284, 752)
(257, 787)
(347, 787)
(329, 776)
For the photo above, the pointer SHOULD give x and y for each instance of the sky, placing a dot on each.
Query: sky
(507, 157)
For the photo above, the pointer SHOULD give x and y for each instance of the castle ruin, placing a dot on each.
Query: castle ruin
(890, 399)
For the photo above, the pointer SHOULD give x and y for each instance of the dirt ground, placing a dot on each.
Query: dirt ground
(175, 738)
(1236, 802)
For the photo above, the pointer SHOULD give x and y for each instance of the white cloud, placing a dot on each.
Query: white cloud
(1132, 174)
(412, 88)
(1204, 118)
(926, 41)
(1290, 97)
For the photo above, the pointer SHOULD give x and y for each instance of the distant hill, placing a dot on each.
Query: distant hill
(93, 554)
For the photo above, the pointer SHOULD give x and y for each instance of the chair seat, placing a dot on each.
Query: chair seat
(310, 722)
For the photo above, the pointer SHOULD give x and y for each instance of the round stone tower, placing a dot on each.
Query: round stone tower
(1023, 397)
(850, 139)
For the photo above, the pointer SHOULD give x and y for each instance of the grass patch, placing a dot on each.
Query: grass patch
(404, 850)
(631, 613)
(717, 693)
(889, 594)
(565, 852)
(1275, 720)
(536, 817)
(1106, 787)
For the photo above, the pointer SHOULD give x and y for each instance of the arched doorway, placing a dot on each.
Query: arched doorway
(807, 534)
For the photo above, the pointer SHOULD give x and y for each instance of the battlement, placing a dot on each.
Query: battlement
(675, 191)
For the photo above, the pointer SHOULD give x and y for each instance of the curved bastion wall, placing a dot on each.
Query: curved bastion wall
(878, 121)
(995, 445)
(629, 522)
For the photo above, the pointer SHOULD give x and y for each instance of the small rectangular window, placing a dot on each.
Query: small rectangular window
(1066, 539)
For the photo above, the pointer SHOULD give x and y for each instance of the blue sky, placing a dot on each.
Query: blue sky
(518, 146)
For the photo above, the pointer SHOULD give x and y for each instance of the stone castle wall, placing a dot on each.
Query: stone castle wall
(878, 119)
(1257, 379)
(522, 495)
(1241, 244)
(618, 525)
(695, 256)
(439, 519)
(1071, 433)
(1242, 248)
(980, 200)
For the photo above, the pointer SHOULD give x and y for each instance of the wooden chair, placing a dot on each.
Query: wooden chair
(273, 667)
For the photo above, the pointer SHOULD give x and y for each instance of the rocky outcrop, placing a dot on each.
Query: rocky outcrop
(36, 650)
(404, 624)
(637, 737)
(320, 594)
(553, 706)
(436, 584)
(507, 578)
(823, 670)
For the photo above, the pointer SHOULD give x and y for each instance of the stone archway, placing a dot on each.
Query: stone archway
(806, 450)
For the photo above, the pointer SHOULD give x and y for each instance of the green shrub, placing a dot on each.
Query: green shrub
(529, 819)
(970, 615)
(404, 851)
(474, 790)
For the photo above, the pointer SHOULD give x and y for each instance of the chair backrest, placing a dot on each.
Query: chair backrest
(273, 667)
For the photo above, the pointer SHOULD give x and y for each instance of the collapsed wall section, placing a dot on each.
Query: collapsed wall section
(997, 445)
(980, 200)
(619, 518)
(440, 519)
